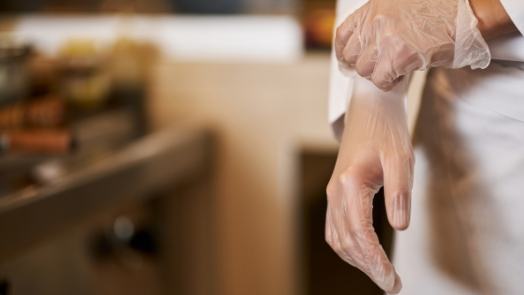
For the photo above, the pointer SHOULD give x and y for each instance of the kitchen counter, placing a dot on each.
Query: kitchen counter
(156, 162)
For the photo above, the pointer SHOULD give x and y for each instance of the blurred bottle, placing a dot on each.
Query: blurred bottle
(131, 66)
(85, 81)
(13, 71)
(43, 75)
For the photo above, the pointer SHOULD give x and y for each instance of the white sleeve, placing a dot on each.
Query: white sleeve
(340, 85)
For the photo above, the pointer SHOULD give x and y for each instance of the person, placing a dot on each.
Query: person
(466, 221)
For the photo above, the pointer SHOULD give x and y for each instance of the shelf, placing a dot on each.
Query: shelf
(148, 165)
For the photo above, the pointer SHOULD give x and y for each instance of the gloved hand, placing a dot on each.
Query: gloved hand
(375, 151)
(387, 39)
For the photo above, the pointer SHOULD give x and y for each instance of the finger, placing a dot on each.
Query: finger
(395, 60)
(352, 50)
(342, 249)
(398, 179)
(397, 286)
(366, 61)
(343, 33)
(339, 232)
(407, 60)
(375, 261)
(346, 30)
(384, 76)
(372, 259)
(337, 235)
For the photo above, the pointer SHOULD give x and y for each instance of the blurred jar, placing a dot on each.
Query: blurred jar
(84, 75)
(130, 63)
(318, 27)
(13, 72)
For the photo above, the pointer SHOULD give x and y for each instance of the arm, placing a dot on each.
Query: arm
(341, 84)
(370, 156)
(493, 20)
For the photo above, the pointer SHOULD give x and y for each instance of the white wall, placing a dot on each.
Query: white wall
(263, 114)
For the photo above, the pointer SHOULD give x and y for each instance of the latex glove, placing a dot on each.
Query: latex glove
(387, 39)
(375, 151)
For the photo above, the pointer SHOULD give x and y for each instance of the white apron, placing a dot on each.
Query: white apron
(467, 229)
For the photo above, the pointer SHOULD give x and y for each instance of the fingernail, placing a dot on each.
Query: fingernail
(397, 286)
(402, 204)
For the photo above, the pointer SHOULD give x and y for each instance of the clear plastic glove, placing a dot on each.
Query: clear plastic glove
(387, 39)
(375, 151)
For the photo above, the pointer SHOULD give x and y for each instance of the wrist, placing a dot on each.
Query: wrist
(493, 20)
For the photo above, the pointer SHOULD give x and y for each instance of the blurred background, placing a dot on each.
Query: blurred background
(167, 147)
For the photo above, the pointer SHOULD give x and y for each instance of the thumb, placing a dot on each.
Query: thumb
(398, 179)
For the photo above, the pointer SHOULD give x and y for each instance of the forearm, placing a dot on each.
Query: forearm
(493, 18)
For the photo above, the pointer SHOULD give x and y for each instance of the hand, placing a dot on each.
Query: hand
(387, 39)
(375, 151)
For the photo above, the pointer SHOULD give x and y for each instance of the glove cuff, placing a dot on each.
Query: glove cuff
(470, 47)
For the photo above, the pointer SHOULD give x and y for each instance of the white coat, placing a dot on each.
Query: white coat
(467, 228)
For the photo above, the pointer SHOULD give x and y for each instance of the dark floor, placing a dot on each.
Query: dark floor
(323, 271)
